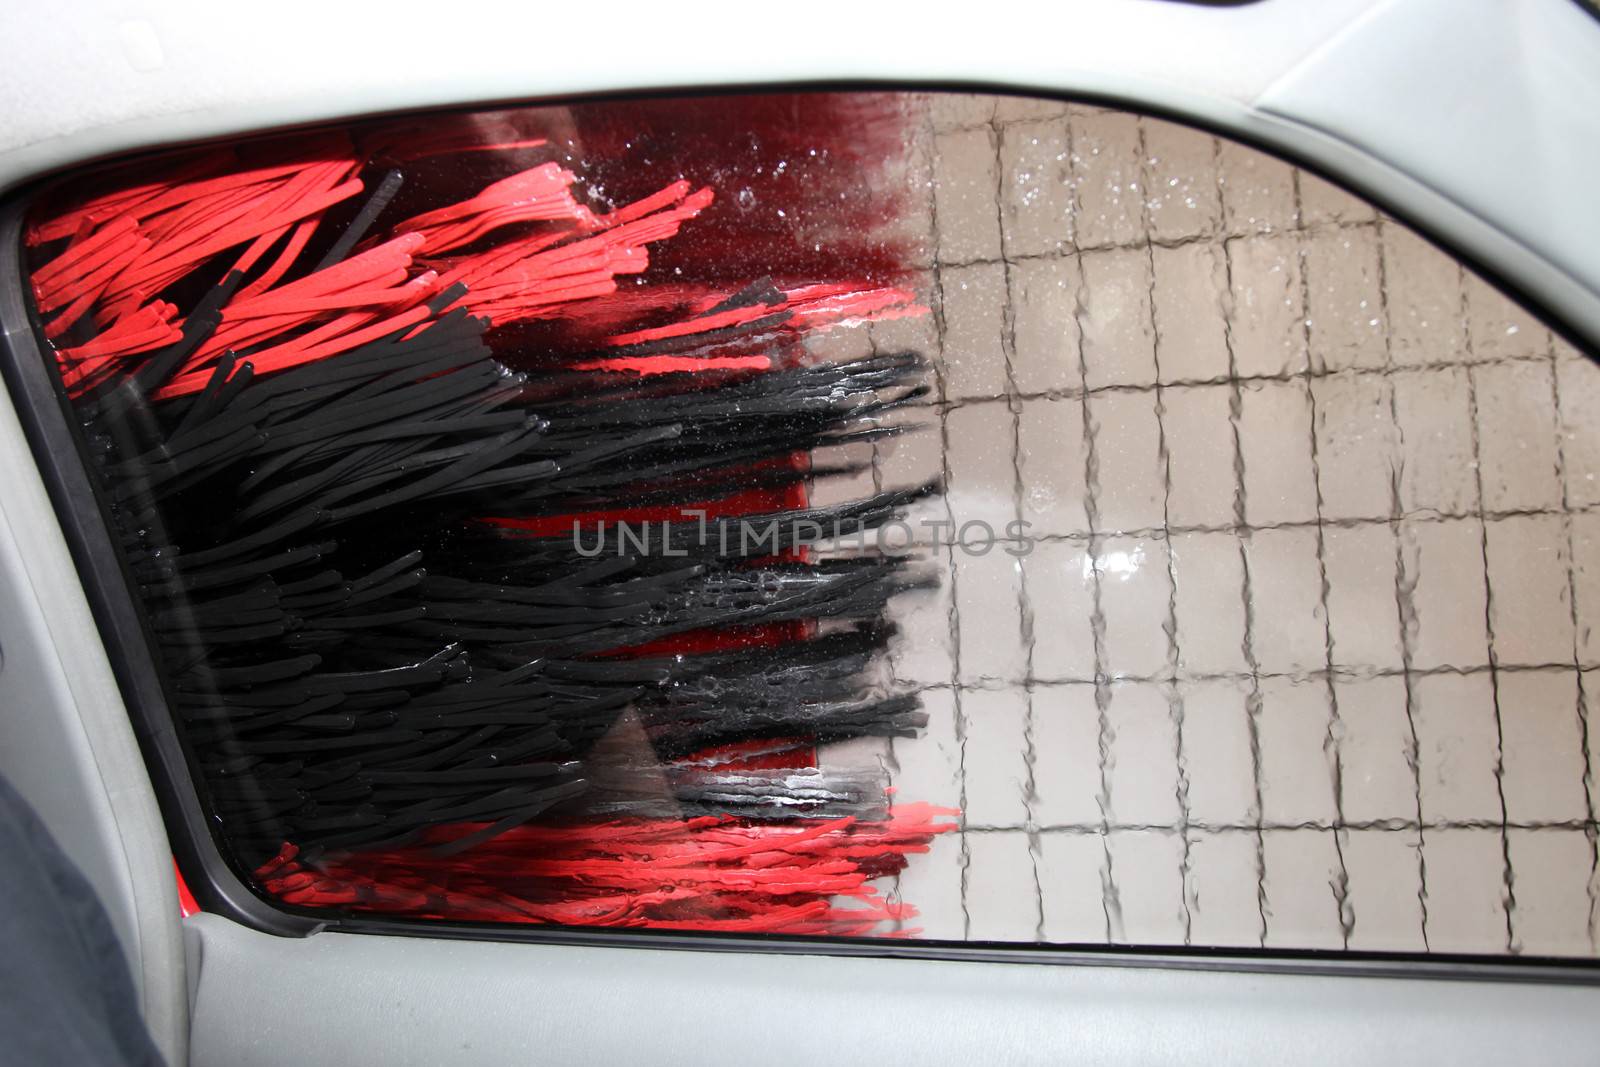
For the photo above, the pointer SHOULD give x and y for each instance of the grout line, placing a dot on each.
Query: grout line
(1109, 897)
(1331, 748)
(1161, 533)
(954, 620)
(1008, 347)
(1253, 701)
(1395, 825)
(1174, 697)
(1572, 605)
(1508, 877)
(1405, 587)
(1309, 374)
(1353, 674)
(1247, 644)
(1210, 236)
(1253, 707)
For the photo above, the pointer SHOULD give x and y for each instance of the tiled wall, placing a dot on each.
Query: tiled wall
(1302, 648)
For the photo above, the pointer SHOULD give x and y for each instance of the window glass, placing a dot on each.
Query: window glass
(880, 514)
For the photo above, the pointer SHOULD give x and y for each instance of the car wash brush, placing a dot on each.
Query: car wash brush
(474, 546)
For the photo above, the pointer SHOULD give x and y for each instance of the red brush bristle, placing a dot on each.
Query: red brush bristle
(699, 874)
(157, 240)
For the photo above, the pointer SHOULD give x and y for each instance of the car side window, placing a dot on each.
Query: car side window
(930, 516)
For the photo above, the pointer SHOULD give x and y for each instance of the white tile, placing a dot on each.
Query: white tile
(1130, 488)
(995, 756)
(1498, 328)
(1356, 446)
(1071, 872)
(1566, 351)
(1344, 305)
(1591, 715)
(1552, 869)
(1109, 175)
(1275, 440)
(1443, 576)
(1209, 573)
(954, 111)
(1135, 598)
(1044, 324)
(1375, 750)
(1191, 282)
(1542, 746)
(1385, 890)
(1115, 316)
(1578, 381)
(974, 302)
(1296, 756)
(1002, 896)
(1458, 747)
(1465, 871)
(1203, 486)
(1517, 436)
(1324, 204)
(1147, 869)
(1258, 192)
(988, 592)
(922, 650)
(1060, 584)
(1586, 584)
(928, 767)
(1423, 286)
(1036, 204)
(1013, 109)
(912, 459)
(1302, 869)
(1224, 909)
(1216, 751)
(1066, 744)
(982, 471)
(931, 885)
(966, 176)
(1438, 466)
(1050, 459)
(1181, 167)
(1287, 627)
(1530, 603)
(1268, 324)
(1143, 763)
(1364, 620)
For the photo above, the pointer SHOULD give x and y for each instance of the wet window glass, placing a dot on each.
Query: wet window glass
(929, 516)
